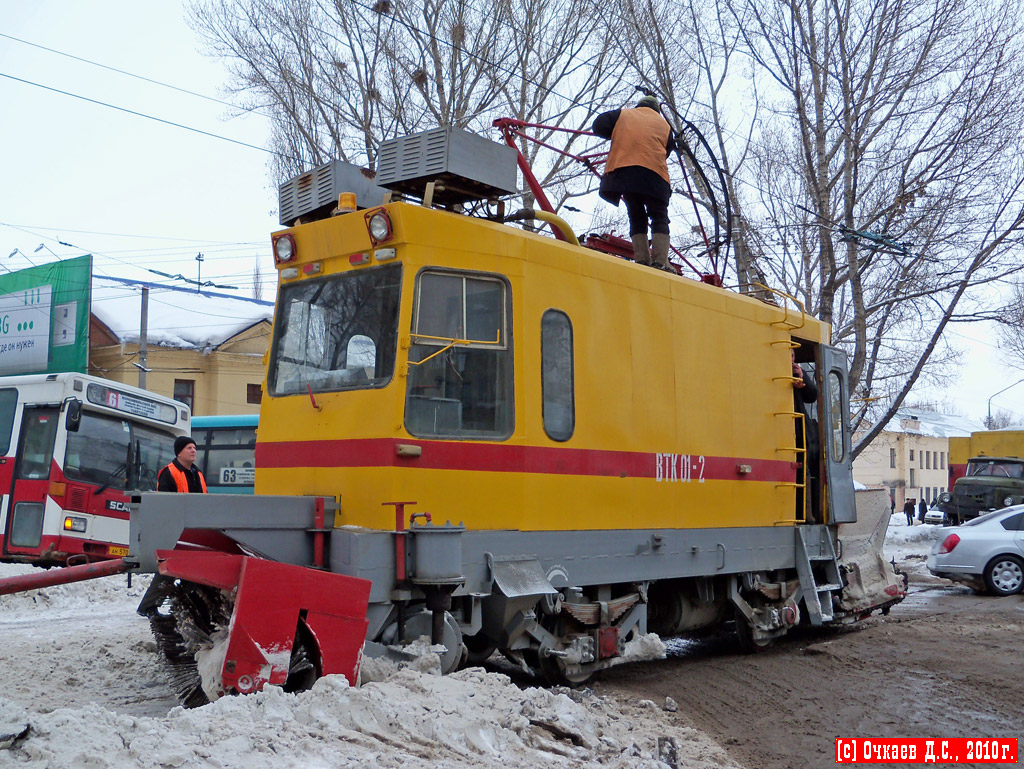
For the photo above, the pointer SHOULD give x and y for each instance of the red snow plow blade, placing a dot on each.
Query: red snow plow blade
(271, 600)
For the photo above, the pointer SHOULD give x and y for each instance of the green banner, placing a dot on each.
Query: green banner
(44, 318)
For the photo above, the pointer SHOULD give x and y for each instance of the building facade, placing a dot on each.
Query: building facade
(910, 458)
(205, 349)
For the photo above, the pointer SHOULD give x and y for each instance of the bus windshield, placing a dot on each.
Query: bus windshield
(336, 333)
(115, 453)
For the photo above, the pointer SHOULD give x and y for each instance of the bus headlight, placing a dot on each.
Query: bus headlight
(73, 523)
(1008, 501)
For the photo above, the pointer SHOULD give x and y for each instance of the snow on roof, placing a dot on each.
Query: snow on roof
(932, 424)
(178, 316)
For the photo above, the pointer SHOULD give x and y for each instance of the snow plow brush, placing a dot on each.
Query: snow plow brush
(230, 623)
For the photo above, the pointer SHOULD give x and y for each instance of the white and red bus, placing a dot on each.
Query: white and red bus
(71, 446)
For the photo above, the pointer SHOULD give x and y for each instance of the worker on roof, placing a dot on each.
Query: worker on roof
(637, 173)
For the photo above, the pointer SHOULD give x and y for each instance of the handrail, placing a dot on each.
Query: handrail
(451, 343)
(785, 320)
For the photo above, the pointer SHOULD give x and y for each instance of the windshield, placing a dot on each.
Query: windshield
(336, 333)
(115, 453)
(996, 469)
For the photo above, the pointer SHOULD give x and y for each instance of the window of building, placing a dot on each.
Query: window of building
(892, 457)
(911, 455)
(185, 391)
(557, 375)
(928, 460)
(253, 393)
(912, 476)
(942, 458)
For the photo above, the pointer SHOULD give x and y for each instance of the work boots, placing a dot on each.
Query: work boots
(659, 250)
(641, 250)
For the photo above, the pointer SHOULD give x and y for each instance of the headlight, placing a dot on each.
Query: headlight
(72, 523)
(378, 224)
(284, 248)
(1008, 501)
(945, 497)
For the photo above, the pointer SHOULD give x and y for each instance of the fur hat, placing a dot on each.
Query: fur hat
(181, 442)
(650, 101)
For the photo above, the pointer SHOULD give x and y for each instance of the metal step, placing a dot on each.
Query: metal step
(814, 547)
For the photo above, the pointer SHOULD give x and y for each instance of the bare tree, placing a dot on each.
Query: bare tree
(874, 153)
(338, 78)
(1011, 330)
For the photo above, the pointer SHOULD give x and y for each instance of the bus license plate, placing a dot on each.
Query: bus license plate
(115, 550)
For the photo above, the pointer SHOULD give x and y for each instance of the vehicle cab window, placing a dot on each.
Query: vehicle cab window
(460, 358)
(336, 333)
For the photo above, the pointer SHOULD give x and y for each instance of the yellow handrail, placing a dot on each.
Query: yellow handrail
(785, 320)
(451, 343)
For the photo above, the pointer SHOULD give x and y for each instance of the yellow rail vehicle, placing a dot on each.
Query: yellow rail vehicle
(503, 440)
(510, 381)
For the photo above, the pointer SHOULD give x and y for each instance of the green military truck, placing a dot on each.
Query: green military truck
(991, 483)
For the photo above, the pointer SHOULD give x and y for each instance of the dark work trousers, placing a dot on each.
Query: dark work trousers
(642, 208)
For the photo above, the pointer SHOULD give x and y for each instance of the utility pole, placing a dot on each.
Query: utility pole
(988, 421)
(199, 273)
(143, 338)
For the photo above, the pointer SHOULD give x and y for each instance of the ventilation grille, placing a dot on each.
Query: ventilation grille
(464, 166)
(314, 194)
(78, 499)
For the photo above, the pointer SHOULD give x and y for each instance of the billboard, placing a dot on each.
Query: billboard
(44, 318)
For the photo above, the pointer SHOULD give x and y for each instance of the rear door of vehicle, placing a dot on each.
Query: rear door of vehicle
(835, 411)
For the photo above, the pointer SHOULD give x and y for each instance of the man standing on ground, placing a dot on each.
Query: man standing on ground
(637, 173)
(181, 474)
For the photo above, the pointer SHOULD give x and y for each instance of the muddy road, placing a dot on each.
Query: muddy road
(944, 663)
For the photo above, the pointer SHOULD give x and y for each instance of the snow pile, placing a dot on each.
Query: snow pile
(82, 687)
(468, 719)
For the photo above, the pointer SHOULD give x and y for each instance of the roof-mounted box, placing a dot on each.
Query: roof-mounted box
(314, 194)
(463, 166)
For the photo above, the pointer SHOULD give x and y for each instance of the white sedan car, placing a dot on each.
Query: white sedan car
(986, 553)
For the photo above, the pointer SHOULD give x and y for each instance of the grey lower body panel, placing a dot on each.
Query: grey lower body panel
(576, 558)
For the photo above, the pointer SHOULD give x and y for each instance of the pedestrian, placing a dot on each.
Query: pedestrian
(922, 508)
(892, 503)
(636, 173)
(182, 475)
(908, 509)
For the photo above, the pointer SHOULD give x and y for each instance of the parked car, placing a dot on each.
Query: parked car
(935, 516)
(986, 553)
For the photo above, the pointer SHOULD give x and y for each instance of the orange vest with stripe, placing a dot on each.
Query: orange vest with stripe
(639, 138)
(181, 480)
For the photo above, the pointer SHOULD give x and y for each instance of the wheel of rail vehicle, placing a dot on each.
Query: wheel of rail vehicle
(555, 673)
(745, 634)
(479, 649)
(1004, 575)
(552, 668)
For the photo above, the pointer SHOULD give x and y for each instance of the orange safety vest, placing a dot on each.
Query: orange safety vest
(181, 480)
(639, 138)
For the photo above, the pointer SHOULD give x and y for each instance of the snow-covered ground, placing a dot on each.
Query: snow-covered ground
(81, 688)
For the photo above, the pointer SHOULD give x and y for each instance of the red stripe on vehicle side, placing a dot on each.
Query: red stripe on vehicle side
(482, 457)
